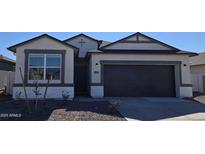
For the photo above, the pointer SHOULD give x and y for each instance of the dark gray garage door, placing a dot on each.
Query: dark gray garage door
(139, 80)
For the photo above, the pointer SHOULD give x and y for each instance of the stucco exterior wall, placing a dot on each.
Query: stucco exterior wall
(96, 69)
(198, 69)
(88, 45)
(52, 92)
(198, 73)
(198, 60)
(45, 44)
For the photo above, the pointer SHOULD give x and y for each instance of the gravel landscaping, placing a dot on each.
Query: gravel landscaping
(59, 111)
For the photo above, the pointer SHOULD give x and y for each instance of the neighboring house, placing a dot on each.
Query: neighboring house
(7, 68)
(7, 64)
(198, 72)
(135, 66)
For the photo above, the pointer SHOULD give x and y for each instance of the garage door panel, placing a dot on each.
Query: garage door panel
(139, 80)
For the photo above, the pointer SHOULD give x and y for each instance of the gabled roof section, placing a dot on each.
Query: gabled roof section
(138, 42)
(13, 48)
(69, 39)
(103, 43)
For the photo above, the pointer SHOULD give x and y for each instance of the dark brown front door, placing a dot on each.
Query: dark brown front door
(81, 77)
(139, 80)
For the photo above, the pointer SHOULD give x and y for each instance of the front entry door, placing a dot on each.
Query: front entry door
(81, 77)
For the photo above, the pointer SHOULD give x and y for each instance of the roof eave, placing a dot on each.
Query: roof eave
(13, 48)
(190, 54)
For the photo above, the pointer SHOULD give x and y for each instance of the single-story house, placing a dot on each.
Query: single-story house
(134, 66)
(197, 64)
(7, 64)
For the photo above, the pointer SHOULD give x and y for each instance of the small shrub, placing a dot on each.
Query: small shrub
(65, 95)
(76, 118)
(114, 105)
(18, 95)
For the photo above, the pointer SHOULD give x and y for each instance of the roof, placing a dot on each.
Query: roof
(6, 59)
(140, 34)
(198, 60)
(71, 38)
(104, 43)
(13, 48)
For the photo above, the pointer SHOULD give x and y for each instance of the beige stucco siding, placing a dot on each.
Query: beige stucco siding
(198, 60)
(86, 46)
(52, 92)
(198, 74)
(46, 44)
(198, 69)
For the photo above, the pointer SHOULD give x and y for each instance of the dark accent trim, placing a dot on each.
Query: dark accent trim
(13, 48)
(63, 67)
(124, 62)
(138, 51)
(138, 33)
(96, 84)
(81, 34)
(26, 67)
(141, 52)
(44, 85)
(44, 51)
(186, 85)
(91, 70)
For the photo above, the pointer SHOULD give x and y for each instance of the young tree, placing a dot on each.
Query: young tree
(36, 77)
(45, 93)
(25, 92)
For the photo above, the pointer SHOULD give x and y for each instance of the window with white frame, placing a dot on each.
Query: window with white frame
(44, 67)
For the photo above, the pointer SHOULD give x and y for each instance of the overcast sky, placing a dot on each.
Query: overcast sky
(194, 42)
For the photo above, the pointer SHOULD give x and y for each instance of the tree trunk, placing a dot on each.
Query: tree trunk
(24, 87)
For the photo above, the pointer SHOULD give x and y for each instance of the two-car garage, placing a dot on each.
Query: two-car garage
(139, 80)
(140, 66)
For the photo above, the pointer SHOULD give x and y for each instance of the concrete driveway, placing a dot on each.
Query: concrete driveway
(160, 109)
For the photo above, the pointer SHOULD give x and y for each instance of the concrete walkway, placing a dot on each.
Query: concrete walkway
(200, 99)
(149, 109)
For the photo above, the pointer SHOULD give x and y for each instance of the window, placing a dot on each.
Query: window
(44, 67)
(53, 67)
